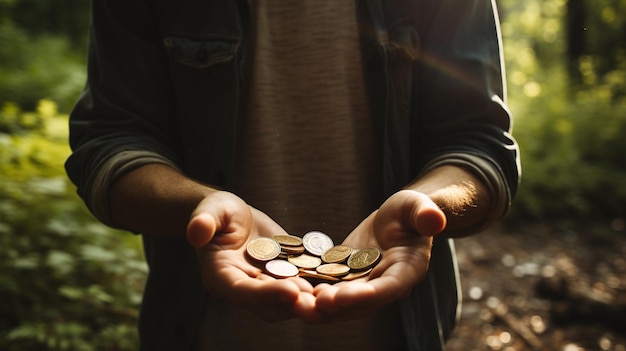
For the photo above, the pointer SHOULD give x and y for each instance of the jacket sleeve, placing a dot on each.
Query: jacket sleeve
(127, 101)
(461, 94)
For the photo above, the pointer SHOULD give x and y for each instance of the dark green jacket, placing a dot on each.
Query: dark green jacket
(170, 76)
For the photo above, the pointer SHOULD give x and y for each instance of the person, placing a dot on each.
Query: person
(206, 124)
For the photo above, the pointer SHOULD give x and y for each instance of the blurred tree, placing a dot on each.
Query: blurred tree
(575, 35)
(66, 18)
(571, 135)
(42, 51)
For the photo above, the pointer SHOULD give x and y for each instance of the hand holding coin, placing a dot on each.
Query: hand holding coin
(224, 228)
(221, 228)
(403, 228)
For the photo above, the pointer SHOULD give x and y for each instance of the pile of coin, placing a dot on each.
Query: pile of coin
(314, 257)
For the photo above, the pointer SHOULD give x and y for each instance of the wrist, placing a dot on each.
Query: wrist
(460, 194)
(155, 199)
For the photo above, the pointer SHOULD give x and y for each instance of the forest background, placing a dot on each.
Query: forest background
(69, 283)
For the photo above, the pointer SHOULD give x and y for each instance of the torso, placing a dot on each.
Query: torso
(306, 154)
(306, 157)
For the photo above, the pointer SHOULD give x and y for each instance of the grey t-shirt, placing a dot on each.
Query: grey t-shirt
(307, 158)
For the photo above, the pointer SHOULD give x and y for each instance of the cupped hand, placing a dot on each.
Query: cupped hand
(403, 229)
(220, 228)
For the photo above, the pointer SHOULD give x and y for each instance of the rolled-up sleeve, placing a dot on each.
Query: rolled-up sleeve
(97, 192)
(127, 101)
(490, 176)
(464, 119)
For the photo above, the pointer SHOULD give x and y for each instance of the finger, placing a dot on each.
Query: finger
(359, 301)
(425, 216)
(265, 226)
(304, 308)
(430, 221)
(347, 301)
(201, 229)
(325, 298)
(333, 299)
(256, 292)
(355, 293)
(302, 284)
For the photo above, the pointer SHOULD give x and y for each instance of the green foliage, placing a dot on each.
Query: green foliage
(570, 131)
(35, 67)
(63, 18)
(606, 39)
(67, 282)
(42, 51)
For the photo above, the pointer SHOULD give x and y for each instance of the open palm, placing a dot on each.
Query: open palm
(402, 229)
(220, 227)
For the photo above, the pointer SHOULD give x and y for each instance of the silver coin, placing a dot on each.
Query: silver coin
(281, 269)
(317, 243)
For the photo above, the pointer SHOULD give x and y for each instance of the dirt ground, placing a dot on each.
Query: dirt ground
(540, 287)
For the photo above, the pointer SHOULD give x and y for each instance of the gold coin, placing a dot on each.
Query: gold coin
(337, 254)
(305, 261)
(317, 243)
(356, 275)
(317, 277)
(364, 259)
(288, 240)
(281, 269)
(333, 269)
(263, 249)
(292, 250)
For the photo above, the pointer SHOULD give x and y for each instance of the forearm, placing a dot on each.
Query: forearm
(461, 195)
(155, 199)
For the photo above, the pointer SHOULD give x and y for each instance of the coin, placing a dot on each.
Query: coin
(288, 240)
(356, 275)
(283, 257)
(292, 250)
(317, 243)
(333, 269)
(263, 249)
(364, 258)
(317, 277)
(337, 254)
(281, 269)
(305, 261)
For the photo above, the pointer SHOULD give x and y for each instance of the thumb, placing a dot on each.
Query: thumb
(426, 217)
(201, 229)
